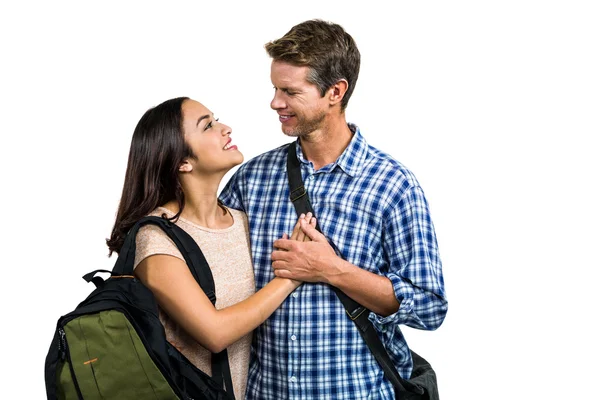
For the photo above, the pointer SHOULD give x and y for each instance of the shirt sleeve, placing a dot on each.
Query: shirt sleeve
(415, 270)
(152, 240)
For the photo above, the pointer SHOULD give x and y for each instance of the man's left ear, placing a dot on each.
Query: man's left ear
(337, 92)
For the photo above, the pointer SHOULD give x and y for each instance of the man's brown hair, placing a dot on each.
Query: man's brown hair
(326, 48)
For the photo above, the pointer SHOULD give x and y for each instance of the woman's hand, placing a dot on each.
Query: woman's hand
(298, 234)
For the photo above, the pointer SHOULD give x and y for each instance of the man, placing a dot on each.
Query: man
(379, 246)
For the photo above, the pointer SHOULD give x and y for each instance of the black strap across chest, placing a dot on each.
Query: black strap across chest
(356, 312)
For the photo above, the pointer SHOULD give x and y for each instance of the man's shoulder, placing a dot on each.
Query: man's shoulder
(389, 166)
(266, 160)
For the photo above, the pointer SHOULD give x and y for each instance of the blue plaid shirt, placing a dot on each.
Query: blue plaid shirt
(374, 211)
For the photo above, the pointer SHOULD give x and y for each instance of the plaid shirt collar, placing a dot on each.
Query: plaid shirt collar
(350, 161)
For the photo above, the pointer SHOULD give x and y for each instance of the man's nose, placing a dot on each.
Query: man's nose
(277, 103)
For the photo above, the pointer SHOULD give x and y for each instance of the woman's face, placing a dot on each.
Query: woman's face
(209, 140)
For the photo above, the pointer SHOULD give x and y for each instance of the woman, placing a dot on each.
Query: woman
(178, 157)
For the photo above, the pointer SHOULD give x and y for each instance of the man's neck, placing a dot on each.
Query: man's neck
(324, 146)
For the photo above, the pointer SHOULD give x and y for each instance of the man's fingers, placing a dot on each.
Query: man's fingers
(302, 236)
(282, 273)
(308, 216)
(282, 246)
(311, 231)
(297, 233)
(278, 255)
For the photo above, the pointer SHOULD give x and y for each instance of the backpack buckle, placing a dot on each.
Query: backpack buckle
(212, 297)
(355, 313)
(297, 193)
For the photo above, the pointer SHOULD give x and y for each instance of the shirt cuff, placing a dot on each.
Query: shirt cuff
(404, 294)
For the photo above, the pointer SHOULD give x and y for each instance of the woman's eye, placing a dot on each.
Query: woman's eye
(210, 124)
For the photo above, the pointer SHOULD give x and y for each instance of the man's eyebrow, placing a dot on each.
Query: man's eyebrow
(201, 118)
(287, 88)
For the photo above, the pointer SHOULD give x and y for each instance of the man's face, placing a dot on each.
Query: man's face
(300, 106)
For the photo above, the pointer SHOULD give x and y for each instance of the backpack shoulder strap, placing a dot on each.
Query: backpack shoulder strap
(356, 312)
(198, 265)
(190, 251)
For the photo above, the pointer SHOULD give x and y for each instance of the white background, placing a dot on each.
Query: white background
(493, 105)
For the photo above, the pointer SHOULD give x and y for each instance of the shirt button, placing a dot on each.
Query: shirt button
(293, 379)
(295, 295)
(293, 337)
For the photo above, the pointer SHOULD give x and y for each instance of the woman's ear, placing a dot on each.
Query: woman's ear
(185, 166)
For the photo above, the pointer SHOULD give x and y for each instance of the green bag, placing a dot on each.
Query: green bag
(113, 346)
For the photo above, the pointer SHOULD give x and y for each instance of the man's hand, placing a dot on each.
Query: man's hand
(316, 261)
(308, 261)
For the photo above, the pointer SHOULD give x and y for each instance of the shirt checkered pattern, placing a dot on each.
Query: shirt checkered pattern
(374, 211)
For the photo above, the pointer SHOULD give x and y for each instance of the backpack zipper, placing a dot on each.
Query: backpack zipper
(62, 344)
(65, 355)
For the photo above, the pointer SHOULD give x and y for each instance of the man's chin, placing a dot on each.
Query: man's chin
(290, 132)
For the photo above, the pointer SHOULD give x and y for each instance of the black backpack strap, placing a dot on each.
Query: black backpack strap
(220, 371)
(198, 266)
(185, 244)
(356, 312)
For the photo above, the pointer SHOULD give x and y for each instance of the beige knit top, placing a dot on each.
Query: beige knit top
(227, 252)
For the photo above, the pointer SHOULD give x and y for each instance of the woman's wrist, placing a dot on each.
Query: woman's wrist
(288, 283)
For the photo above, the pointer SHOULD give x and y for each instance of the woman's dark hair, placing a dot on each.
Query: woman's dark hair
(158, 148)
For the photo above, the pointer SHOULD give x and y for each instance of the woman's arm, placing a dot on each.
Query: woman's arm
(180, 296)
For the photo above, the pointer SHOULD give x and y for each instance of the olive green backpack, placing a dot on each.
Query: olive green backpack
(113, 346)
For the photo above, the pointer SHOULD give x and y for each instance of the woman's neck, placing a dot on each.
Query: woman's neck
(201, 205)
